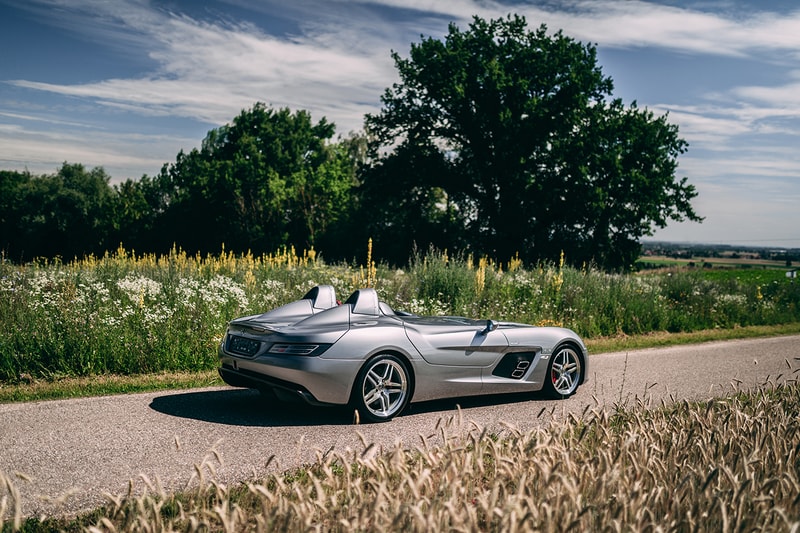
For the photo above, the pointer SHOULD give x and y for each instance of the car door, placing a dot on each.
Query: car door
(455, 341)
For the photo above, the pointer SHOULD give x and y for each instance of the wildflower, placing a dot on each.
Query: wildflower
(139, 288)
(480, 275)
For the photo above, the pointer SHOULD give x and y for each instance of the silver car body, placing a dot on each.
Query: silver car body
(315, 348)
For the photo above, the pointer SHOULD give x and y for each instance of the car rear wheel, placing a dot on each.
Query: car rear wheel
(382, 388)
(564, 373)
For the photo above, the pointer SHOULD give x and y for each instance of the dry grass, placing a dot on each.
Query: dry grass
(730, 464)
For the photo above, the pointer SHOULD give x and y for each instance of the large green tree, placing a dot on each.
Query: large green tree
(510, 144)
(270, 178)
(141, 219)
(65, 214)
(13, 187)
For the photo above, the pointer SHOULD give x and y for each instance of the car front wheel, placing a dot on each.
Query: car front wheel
(564, 374)
(382, 388)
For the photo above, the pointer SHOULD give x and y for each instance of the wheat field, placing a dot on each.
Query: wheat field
(725, 465)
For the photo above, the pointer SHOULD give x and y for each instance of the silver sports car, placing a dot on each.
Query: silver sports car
(365, 354)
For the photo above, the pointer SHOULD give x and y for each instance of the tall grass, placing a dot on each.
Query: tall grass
(131, 314)
(731, 464)
(592, 302)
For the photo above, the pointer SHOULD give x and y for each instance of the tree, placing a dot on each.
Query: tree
(12, 205)
(270, 178)
(84, 208)
(141, 214)
(64, 214)
(401, 199)
(508, 138)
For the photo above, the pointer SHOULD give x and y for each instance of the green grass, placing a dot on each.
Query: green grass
(715, 263)
(104, 385)
(747, 276)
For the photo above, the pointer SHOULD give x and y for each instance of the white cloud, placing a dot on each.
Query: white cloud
(740, 211)
(121, 155)
(783, 98)
(210, 71)
(648, 24)
(336, 63)
(734, 31)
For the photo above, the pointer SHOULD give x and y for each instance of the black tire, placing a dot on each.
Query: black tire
(564, 373)
(382, 388)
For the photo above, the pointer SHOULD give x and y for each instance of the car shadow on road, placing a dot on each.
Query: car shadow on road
(246, 407)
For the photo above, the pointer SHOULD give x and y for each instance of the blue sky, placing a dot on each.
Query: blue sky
(126, 84)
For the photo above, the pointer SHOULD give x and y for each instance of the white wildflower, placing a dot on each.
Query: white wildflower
(139, 287)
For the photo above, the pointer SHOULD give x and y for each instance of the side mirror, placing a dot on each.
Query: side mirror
(491, 325)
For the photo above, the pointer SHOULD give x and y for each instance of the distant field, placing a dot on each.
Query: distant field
(746, 276)
(655, 261)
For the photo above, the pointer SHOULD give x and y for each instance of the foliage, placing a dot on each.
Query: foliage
(141, 215)
(266, 180)
(133, 314)
(269, 179)
(497, 141)
(127, 314)
(65, 214)
(502, 138)
(724, 465)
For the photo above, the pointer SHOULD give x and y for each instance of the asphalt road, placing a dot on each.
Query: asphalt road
(72, 452)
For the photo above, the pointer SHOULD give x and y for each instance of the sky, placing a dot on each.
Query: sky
(127, 84)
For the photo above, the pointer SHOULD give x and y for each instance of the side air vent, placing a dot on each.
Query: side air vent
(514, 365)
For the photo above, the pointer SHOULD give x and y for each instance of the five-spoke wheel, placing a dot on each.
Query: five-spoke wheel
(382, 388)
(564, 374)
